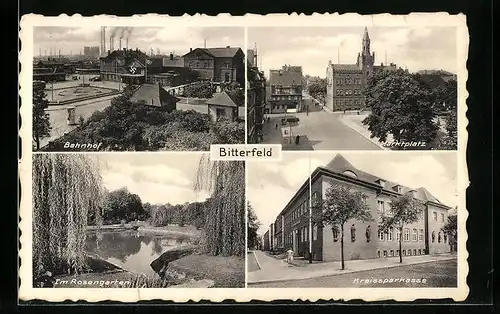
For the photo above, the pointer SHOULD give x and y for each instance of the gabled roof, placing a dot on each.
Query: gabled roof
(147, 93)
(285, 78)
(221, 99)
(340, 165)
(176, 61)
(225, 52)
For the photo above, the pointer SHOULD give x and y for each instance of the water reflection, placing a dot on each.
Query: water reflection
(131, 250)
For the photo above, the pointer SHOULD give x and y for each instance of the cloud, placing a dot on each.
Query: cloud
(174, 38)
(313, 47)
(162, 180)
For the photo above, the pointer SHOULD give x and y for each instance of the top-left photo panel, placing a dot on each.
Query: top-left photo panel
(109, 88)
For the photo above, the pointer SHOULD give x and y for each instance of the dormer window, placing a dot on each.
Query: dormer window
(381, 182)
(413, 193)
(397, 188)
(349, 173)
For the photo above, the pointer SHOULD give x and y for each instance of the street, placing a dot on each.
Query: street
(317, 130)
(436, 274)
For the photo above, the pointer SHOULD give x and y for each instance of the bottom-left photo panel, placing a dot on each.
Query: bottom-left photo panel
(135, 220)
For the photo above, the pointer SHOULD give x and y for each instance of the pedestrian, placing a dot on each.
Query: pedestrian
(268, 119)
(297, 140)
(276, 126)
(289, 256)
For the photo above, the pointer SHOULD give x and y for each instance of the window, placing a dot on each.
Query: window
(414, 251)
(433, 236)
(381, 208)
(445, 237)
(419, 252)
(391, 253)
(404, 252)
(368, 233)
(421, 235)
(439, 237)
(226, 77)
(409, 252)
(315, 232)
(397, 252)
(219, 113)
(381, 235)
(385, 253)
(398, 234)
(378, 253)
(353, 233)
(407, 235)
(338, 82)
(314, 197)
(414, 235)
(435, 216)
(338, 92)
(442, 217)
(391, 231)
(335, 234)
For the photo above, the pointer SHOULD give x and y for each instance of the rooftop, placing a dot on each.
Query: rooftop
(285, 78)
(221, 99)
(220, 52)
(341, 165)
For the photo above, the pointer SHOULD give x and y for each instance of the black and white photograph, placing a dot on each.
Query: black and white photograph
(174, 88)
(353, 220)
(353, 88)
(138, 220)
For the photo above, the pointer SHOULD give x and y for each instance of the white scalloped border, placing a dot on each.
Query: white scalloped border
(27, 292)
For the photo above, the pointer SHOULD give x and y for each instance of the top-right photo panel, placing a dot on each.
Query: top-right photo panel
(353, 88)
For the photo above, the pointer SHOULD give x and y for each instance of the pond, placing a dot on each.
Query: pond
(131, 250)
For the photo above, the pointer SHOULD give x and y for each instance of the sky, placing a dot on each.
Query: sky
(312, 47)
(156, 178)
(271, 184)
(172, 39)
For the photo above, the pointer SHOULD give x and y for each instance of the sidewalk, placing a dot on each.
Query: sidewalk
(273, 270)
(354, 122)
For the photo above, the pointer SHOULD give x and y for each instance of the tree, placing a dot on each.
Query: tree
(450, 228)
(121, 205)
(228, 132)
(225, 212)
(403, 210)
(341, 204)
(400, 106)
(41, 120)
(66, 190)
(317, 88)
(199, 90)
(235, 92)
(253, 225)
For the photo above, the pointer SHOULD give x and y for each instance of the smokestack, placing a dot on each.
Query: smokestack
(120, 43)
(190, 49)
(171, 56)
(111, 43)
(126, 42)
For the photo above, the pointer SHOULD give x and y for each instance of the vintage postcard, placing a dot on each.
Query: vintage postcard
(243, 157)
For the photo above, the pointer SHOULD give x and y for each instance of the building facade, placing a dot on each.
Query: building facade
(362, 240)
(129, 66)
(256, 95)
(217, 64)
(346, 82)
(285, 90)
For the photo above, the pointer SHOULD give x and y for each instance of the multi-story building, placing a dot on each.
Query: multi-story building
(362, 240)
(265, 240)
(256, 95)
(217, 64)
(345, 82)
(285, 90)
(129, 66)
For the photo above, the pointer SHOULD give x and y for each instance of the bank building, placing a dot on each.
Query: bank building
(345, 82)
(362, 240)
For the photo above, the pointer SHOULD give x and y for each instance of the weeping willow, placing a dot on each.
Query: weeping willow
(224, 226)
(66, 189)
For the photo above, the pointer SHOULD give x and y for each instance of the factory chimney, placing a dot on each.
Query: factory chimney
(120, 43)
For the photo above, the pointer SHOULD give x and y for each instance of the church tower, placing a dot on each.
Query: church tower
(366, 59)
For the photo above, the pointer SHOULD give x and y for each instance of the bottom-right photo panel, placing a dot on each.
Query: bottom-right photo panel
(354, 220)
